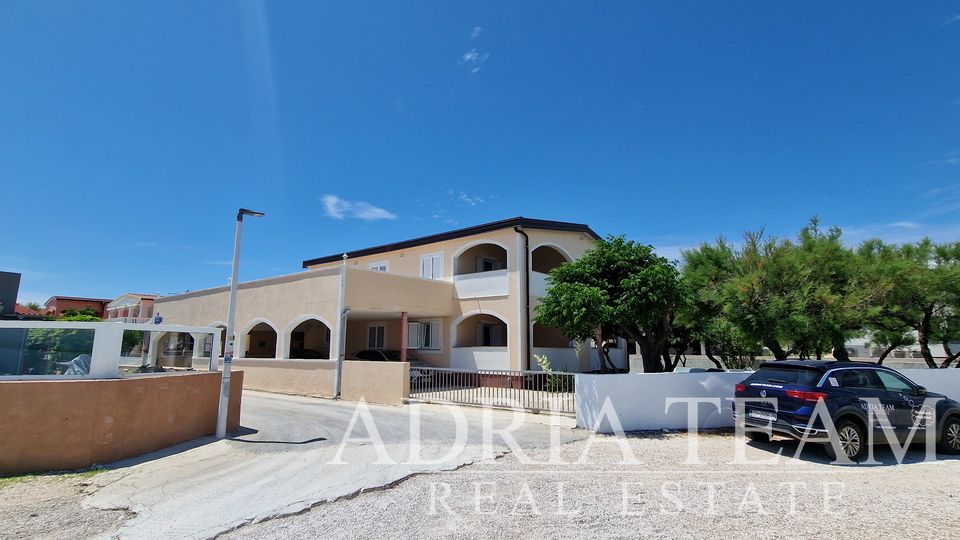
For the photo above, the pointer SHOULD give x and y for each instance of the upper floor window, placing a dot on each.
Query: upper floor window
(486, 264)
(431, 266)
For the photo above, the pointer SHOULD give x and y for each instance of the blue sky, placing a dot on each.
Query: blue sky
(132, 131)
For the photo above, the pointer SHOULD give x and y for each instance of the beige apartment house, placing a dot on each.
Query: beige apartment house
(461, 299)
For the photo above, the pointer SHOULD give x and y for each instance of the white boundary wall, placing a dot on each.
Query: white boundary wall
(640, 399)
(107, 338)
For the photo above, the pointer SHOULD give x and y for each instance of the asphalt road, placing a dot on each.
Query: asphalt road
(294, 452)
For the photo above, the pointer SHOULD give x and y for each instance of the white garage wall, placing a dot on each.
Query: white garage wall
(640, 399)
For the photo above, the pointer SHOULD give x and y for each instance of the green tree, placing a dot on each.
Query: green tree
(62, 345)
(618, 287)
(707, 272)
(34, 306)
(72, 312)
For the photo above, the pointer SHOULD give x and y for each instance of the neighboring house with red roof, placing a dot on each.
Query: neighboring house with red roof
(24, 310)
(56, 305)
(132, 308)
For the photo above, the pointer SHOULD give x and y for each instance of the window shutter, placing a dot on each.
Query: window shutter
(479, 264)
(480, 335)
(435, 335)
(413, 335)
(426, 338)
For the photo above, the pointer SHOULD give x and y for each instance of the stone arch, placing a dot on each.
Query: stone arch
(464, 259)
(465, 333)
(547, 256)
(223, 337)
(317, 337)
(253, 330)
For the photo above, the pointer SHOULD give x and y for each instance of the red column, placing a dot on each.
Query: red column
(403, 336)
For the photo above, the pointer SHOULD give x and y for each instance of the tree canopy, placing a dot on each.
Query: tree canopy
(795, 297)
(620, 288)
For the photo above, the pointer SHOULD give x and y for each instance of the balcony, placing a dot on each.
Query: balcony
(482, 284)
(131, 320)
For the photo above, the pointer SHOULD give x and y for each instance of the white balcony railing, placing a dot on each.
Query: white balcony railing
(482, 284)
(131, 320)
(538, 284)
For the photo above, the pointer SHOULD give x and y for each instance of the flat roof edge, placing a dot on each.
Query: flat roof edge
(523, 223)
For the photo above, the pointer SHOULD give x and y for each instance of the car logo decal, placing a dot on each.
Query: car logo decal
(763, 393)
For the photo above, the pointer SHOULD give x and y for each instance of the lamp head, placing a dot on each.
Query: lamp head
(245, 212)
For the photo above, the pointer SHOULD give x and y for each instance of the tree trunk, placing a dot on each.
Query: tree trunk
(651, 344)
(884, 354)
(606, 365)
(923, 334)
(776, 349)
(950, 358)
(706, 350)
(668, 364)
(840, 351)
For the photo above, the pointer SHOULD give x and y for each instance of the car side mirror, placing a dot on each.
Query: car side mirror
(921, 391)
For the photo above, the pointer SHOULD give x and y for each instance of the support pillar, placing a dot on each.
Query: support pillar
(155, 338)
(403, 336)
(199, 344)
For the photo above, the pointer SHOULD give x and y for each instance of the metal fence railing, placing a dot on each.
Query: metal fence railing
(537, 390)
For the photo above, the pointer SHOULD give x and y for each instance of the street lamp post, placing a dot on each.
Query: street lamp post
(341, 354)
(231, 313)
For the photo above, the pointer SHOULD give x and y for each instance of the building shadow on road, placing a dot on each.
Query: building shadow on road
(308, 441)
(174, 450)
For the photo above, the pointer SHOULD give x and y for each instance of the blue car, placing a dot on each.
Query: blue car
(857, 397)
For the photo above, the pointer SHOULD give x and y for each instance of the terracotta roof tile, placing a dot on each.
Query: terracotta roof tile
(24, 310)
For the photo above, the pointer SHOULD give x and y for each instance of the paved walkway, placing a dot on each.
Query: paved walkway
(290, 455)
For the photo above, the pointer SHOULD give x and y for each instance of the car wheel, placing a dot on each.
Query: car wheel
(759, 436)
(852, 442)
(950, 437)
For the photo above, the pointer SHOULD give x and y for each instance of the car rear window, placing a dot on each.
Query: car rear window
(798, 376)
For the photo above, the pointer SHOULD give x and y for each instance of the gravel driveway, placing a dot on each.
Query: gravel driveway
(662, 496)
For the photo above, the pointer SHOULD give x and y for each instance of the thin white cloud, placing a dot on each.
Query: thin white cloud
(473, 57)
(28, 274)
(25, 297)
(475, 33)
(472, 201)
(948, 161)
(951, 20)
(900, 232)
(338, 208)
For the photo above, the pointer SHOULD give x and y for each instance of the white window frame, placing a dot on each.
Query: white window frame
(372, 344)
(436, 269)
(383, 266)
(416, 330)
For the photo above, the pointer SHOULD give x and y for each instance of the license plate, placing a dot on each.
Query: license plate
(763, 415)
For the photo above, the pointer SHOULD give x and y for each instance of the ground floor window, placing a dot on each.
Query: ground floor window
(376, 336)
(424, 335)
